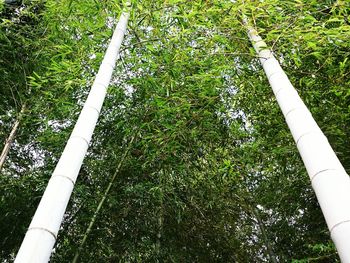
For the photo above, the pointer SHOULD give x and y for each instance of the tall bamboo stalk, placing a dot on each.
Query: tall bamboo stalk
(255, 212)
(160, 213)
(11, 137)
(42, 233)
(100, 204)
(329, 179)
(246, 202)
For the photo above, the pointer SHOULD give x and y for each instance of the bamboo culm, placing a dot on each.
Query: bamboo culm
(100, 204)
(329, 179)
(42, 232)
(11, 137)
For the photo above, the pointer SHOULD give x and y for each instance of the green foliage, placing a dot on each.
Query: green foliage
(213, 174)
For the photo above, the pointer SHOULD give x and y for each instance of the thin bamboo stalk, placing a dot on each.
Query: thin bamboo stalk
(329, 179)
(42, 233)
(100, 204)
(11, 137)
(255, 212)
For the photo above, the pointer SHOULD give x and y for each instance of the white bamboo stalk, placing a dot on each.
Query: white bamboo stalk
(328, 177)
(42, 233)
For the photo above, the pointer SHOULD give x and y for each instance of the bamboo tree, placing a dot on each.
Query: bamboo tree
(328, 177)
(264, 235)
(251, 209)
(11, 137)
(160, 213)
(100, 204)
(42, 233)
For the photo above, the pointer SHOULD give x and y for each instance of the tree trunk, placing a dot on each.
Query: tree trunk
(42, 233)
(328, 177)
(11, 137)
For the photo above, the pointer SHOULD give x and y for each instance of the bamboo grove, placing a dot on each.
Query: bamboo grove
(191, 159)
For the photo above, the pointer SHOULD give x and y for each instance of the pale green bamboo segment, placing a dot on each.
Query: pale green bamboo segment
(43, 230)
(329, 179)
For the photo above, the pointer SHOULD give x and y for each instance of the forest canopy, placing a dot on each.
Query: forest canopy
(198, 157)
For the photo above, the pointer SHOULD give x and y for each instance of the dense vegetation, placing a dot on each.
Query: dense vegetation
(207, 170)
